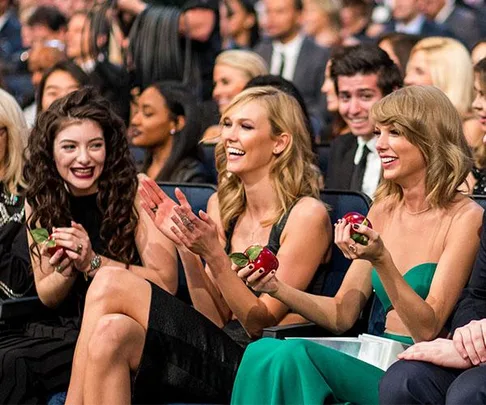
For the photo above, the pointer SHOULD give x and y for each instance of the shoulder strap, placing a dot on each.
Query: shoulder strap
(229, 235)
(276, 232)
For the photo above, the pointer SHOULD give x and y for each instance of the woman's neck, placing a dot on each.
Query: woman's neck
(414, 198)
(160, 155)
(261, 199)
(242, 39)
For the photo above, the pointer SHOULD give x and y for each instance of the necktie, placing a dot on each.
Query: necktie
(359, 171)
(282, 63)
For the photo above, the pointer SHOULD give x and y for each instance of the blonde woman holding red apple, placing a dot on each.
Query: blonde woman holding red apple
(418, 257)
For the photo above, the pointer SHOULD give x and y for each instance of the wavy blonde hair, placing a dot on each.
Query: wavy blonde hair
(425, 116)
(291, 173)
(13, 120)
(451, 70)
(249, 63)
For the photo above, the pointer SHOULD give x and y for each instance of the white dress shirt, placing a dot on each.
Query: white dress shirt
(372, 174)
(290, 50)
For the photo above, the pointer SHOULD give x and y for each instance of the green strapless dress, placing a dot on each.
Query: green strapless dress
(298, 371)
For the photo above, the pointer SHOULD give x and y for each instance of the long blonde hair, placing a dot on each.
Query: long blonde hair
(13, 120)
(291, 174)
(451, 70)
(428, 120)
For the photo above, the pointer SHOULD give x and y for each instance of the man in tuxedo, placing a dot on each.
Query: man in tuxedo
(295, 57)
(362, 74)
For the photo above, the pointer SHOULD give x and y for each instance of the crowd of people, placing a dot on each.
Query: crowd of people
(100, 101)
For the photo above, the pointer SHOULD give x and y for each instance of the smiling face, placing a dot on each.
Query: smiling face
(58, 84)
(402, 162)
(282, 19)
(479, 103)
(247, 137)
(418, 70)
(357, 94)
(79, 155)
(228, 82)
(152, 121)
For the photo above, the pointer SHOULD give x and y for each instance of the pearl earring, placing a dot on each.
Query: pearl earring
(172, 131)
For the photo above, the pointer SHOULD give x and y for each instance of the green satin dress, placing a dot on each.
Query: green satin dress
(298, 371)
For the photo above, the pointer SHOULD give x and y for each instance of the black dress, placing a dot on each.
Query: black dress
(36, 359)
(186, 357)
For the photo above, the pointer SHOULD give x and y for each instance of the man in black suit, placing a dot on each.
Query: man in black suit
(293, 56)
(437, 372)
(461, 21)
(362, 74)
(407, 19)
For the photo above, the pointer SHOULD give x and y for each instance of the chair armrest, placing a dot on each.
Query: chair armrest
(294, 330)
(20, 307)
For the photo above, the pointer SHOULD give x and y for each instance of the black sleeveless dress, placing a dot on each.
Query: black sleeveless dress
(186, 357)
(36, 358)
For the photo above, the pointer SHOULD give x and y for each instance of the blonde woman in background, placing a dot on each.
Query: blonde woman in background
(232, 70)
(321, 22)
(446, 64)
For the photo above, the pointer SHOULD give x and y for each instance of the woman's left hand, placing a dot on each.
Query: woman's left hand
(77, 244)
(374, 251)
(198, 234)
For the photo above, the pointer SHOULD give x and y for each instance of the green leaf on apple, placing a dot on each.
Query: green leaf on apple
(240, 259)
(253, 252)
(40, 235)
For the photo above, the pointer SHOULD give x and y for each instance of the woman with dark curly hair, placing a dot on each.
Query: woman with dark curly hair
(81, 188)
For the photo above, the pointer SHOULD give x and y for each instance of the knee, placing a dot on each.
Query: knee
(108, 339)
(108, 282)
(468, 388)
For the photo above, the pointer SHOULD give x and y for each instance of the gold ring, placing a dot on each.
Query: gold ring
(79, 248)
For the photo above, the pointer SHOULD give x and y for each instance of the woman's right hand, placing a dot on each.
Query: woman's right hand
(257, 280)
(60, 262)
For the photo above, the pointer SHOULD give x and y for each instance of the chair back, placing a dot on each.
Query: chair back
(209, 161)
(480, 199)
(198, 196)
(340, 202)
(322, 151)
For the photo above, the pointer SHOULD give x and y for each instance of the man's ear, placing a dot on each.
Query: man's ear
(281, 143)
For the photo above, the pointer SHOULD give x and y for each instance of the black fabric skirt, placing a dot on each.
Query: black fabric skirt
(186, 357)
(36, 360)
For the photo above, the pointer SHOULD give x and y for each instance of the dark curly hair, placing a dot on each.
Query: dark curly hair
(117, 185)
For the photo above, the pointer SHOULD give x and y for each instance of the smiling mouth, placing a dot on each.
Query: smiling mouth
(83, 172)
(235, 151)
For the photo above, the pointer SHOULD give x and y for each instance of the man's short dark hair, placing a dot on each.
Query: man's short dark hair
(367, 59)
(48, 16)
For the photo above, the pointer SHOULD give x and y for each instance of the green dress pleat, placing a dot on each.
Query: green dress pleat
(303, 372)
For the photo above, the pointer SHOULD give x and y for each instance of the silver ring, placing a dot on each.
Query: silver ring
(59, 268)
(186, 221)
(154, 209)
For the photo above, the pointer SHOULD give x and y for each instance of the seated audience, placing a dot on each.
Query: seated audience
(321, 22)
(61, 79)
(477, 182)
(15, 274)
(165, 122)
(429, 64)
(398, 47)
(238, 24)
(417, 276)
(81, 187)
(362, 75)
(267, 194)
(232, 71)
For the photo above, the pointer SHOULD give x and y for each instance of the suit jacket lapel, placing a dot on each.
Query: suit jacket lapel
(305, 56)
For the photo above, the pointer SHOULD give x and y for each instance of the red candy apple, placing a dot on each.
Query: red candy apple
(260, 257)
(41, 237)
(357, 218)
